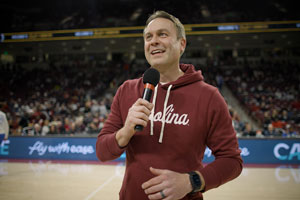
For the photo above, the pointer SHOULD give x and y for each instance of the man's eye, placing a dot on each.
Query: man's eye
(148, 37)
(163, 34)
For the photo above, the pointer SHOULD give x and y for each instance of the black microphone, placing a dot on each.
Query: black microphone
(150, 79)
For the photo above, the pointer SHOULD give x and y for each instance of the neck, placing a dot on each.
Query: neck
(170, 75)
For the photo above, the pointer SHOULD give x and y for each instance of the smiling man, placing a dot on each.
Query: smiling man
(185, 115)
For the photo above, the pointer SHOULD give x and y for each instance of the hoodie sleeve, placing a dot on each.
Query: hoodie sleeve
(223, 142)
(107, 147)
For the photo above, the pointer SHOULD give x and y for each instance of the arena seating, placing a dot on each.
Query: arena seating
(269, 90)
(60, 98)
(75, 98)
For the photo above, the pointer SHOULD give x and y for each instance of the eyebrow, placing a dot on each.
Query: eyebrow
(159, 30)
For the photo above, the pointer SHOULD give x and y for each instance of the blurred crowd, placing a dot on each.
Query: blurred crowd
(74, 97)
(269, 90)
(63, 98)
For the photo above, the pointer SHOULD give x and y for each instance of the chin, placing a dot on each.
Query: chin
(157, 63)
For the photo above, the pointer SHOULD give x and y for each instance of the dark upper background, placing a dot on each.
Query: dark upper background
(70, 14)
(22, 16)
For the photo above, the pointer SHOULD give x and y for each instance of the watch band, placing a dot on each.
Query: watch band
(195, 181)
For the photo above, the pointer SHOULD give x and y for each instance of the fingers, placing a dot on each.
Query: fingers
(143, 105)
(152, 182)
(157, 179)
(154, 191)
(161, 194)
(139, 113)
(157, 171)
(167, 184)
(154, 188)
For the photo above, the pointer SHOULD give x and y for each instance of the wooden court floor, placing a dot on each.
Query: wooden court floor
(47, 180)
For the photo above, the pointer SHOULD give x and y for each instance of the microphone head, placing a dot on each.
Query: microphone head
(151, 76)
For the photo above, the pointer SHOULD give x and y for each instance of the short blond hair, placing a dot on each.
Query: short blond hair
(162, 14)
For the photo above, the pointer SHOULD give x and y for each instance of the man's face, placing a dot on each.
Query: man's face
(161, 46)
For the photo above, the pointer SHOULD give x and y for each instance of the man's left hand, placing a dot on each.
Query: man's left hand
(167, 185)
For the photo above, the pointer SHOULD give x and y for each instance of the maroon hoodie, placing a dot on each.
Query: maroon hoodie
(188, 116)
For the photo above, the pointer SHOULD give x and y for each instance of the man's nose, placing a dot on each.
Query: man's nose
(154, 40)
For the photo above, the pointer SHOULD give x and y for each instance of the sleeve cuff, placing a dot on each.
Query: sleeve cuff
(113, 147)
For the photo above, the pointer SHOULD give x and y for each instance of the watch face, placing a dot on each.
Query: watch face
(197, 180)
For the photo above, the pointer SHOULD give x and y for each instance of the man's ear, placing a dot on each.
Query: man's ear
(182, 45)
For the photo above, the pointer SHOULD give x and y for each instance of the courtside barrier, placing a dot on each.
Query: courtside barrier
(253, 151)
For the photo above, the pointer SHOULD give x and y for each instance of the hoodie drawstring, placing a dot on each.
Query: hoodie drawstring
(152, 111)
(164, 113)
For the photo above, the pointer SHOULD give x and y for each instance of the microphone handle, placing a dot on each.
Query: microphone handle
(138, 128)
(147, 96)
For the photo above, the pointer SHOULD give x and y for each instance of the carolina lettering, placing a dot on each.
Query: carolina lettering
(171, 117)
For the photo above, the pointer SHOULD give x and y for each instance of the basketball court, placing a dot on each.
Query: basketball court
(90, 181)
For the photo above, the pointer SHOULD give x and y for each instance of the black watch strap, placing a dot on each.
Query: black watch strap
(195, 181)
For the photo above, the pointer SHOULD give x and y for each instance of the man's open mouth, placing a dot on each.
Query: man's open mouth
(157, 51)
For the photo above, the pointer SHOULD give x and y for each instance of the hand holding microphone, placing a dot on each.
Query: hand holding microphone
(138, 114)
(150, 79)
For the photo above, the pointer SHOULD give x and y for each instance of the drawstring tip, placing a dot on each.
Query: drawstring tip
(161, 137)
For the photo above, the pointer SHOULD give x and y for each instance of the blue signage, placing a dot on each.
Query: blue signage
(253, 151)
(49, 148)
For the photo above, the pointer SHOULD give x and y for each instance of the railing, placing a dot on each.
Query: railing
(124, 32)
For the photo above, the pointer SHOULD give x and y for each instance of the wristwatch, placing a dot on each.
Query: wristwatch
(195, 181)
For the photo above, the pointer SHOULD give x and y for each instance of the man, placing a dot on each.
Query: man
(248, 131)
(164, 161)
(271, 131)
(4, 128)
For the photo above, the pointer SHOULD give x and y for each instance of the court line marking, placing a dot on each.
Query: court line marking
(100, 187)
(117, 173)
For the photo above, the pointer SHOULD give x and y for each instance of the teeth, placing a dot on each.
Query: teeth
(157, 51)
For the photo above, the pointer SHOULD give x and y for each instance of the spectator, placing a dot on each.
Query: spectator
(37, 130)
(271, 131)
(219, 80)
(288, 131)
(248, 131)
(45, 128)
(259, 134)
(4, 128)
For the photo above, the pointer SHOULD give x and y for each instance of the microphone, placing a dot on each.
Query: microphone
(150, 79)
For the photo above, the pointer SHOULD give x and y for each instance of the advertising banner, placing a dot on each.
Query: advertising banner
(253, 151)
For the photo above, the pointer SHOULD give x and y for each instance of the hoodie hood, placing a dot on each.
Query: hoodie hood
(190, 76)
